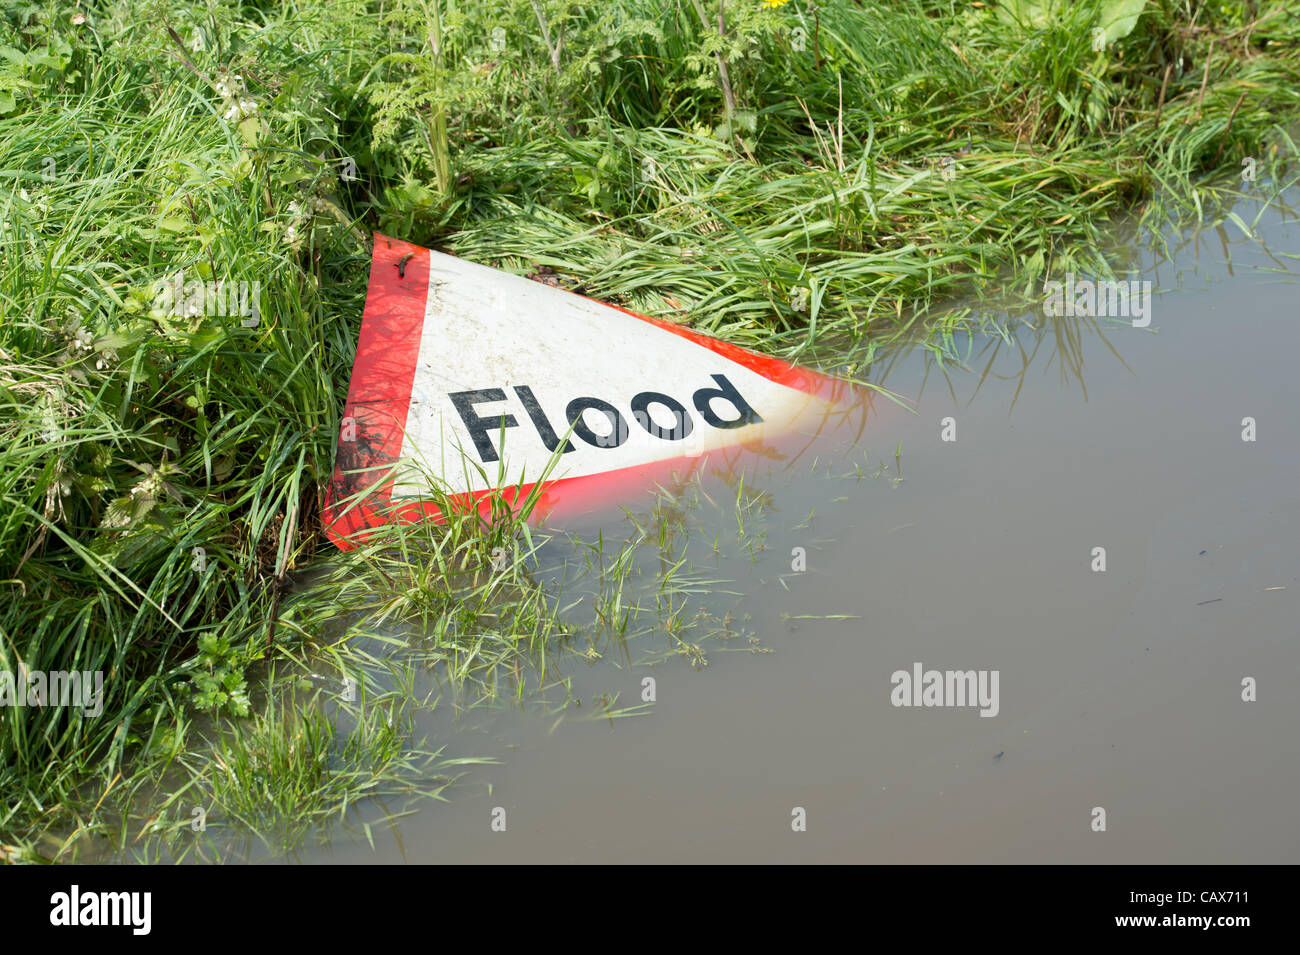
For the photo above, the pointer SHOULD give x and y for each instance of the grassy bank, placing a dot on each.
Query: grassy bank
(808, 183)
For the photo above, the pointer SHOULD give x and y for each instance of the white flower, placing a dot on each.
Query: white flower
(238, 106)
(229, 86)
(149, 485)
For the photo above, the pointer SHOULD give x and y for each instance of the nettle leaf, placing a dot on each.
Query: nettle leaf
(46, 58)
(117, 341)
(1119, 18)
(1035, 14)
(118, 514)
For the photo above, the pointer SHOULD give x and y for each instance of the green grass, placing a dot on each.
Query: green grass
(802, 208)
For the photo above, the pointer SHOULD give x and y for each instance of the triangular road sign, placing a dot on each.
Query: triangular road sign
(477, 377)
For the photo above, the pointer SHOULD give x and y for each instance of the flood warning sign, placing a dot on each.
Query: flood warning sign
(477, 380)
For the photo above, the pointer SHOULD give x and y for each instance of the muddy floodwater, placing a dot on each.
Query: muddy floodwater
(1160, 690)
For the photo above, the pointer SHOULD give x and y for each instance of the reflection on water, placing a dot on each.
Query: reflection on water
(1096, 532)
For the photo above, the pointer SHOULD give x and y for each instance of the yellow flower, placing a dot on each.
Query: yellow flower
(776, 3)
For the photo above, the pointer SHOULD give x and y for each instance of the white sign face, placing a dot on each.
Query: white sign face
(476, 379)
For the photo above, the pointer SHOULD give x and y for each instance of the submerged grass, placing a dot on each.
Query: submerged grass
(807, 181)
